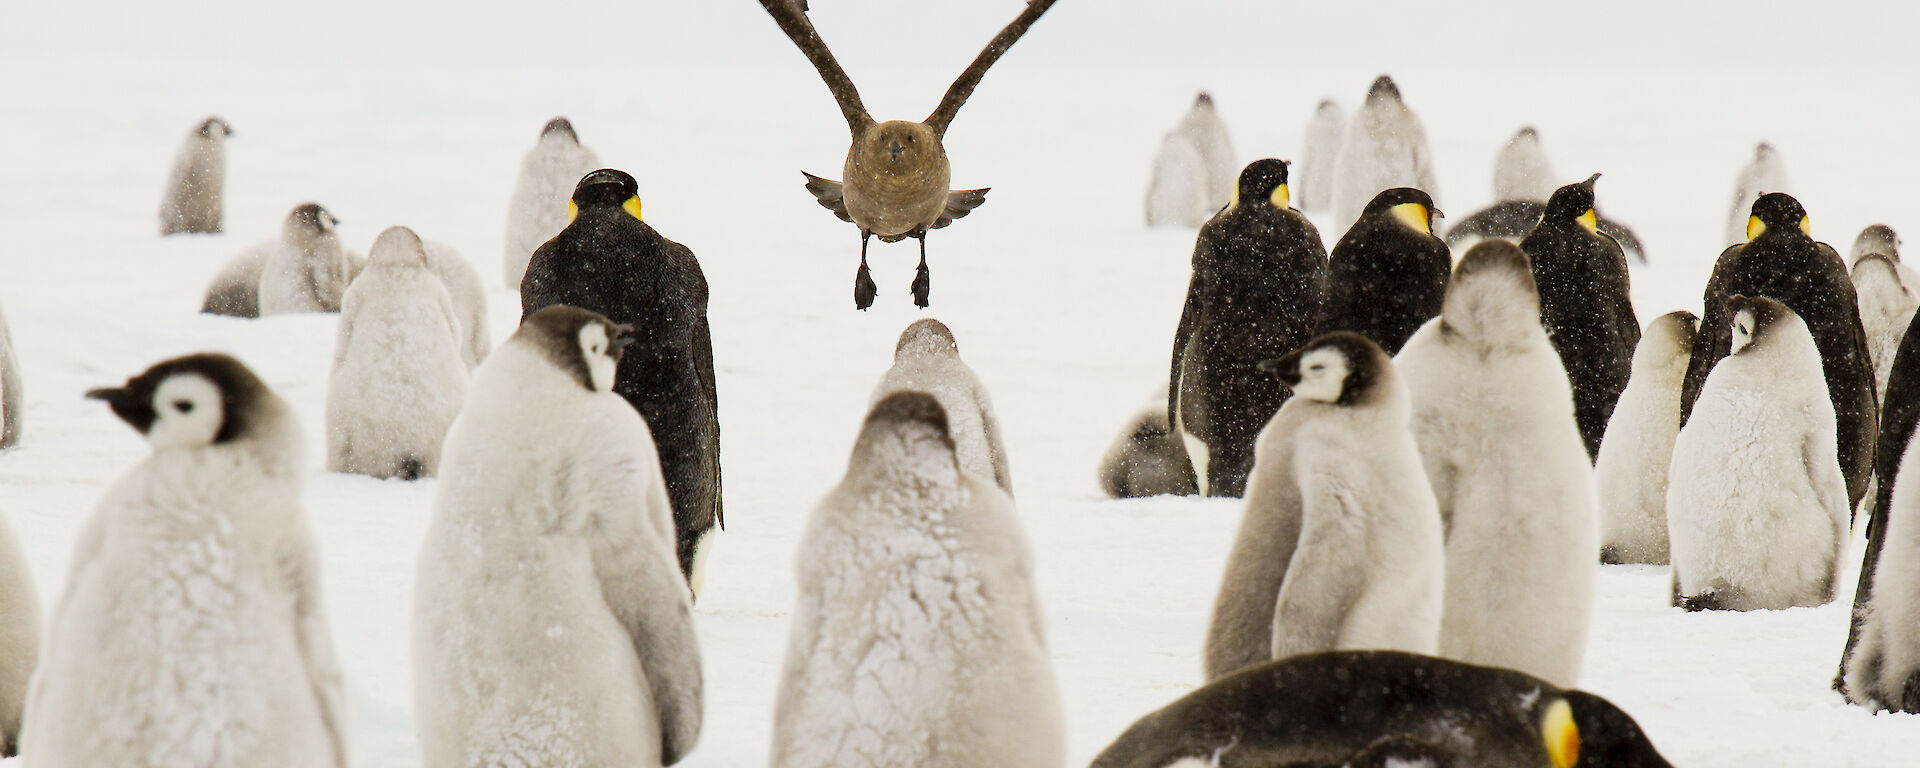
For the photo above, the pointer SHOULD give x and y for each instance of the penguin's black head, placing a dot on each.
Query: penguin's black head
(584, 345)
(1410, 207)
(1753, 318)
(1526, 132)
(1383, 88)
(561, 126)
(1778, 212)
(603, 189)
(1603, 736)
(188, 402)
(926, 335)
(1263, 180)
(1338, 368)
(1574, 202)
(214, 127)
(310, 219)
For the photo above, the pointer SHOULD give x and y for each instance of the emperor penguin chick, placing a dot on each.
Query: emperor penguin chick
(1763, 174)
(1882, 666)
(1193, 176)
(193, 202)
(12, 398)
(538, 210)
(469, 298)
(915, 586)
(1386, 147)
(307, 271)
(551, 625)
(926, 359)
(1320, 151)
(1631, 472)
(1521, 171)
(1887, 302)
(191, 631)
(1756, 503)
(1494, 417)
(398, 375)
(1147, 459)
(20, 627)
(1340, 546)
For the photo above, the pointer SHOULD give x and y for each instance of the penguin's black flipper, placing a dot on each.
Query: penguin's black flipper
(827, 193)
(960, 202)
(1625, 238)
(922, 279)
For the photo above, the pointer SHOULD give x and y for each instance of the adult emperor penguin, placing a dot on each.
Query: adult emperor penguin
(1340, 545)
(896, 178)
(1886, 307)
(1386, 147)
(20, 627)
(1259, 274)
(398, 375)
(1147, 458)
(538, 210)
(551, 624)
(609, 261)
(1586, 304)
(191, 631)
(1757, 506)
(1763, 174)
(1193, 176)
(1882, 666)
(1897, 425)
(1631, 471)
(961, 670)
(1782, 261)
(1361, 708)
(1494, 419)
(307, 271)
(1318, 153)
(12, 399)
(1388, 274)
(193, 199)
(927, 359)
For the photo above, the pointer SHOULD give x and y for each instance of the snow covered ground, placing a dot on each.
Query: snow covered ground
(1061, 300)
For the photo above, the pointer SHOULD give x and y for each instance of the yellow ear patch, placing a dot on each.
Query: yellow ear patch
(1806, 226)
(573, 211)
(1279, 198)
(1413, 215)
(1560, 735)
(632, 207)
(1754, 227)
(1590, 221)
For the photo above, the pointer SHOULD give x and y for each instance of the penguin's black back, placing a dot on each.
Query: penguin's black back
(1329, 708)
(1899, 413)
(1785, 265)
(1385, 280)
(1507, 220)
(609, 262)
(1586, 308)
(1259, 273)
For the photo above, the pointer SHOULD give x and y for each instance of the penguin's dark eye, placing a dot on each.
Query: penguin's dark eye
(183, 406)
(1316, 367)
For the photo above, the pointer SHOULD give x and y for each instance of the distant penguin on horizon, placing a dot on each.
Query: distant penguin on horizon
(1493, 415)
(1782, 261)
(308, 270)
(1881, 670)
(1521, 171)
(538, 210)
(399, 377)
(1147, 458)
(195, 189)
(1259, 276)
(927, 359)
(1193, 176)
(1586, 304)
(1765, 173)
(1387, 275)
(1385, 147)
(192, 629)
(1340, 546)
(1631, 471)
(1523, 182)
(551, 623)
(13, 399)
(1319, 152)
(1757, 507)
(915, 584)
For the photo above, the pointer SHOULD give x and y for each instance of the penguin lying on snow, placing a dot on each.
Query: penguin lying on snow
(191, 631)
(1193, 176)
(551, 623)
(1494, 419)
(193, 201)
(1147, 458)
(1631, 472)
(1382, 709)
(1388, 274)
(1756, 505)
(538, 210)
(917, 637)
(1340, 546)
(926, 359)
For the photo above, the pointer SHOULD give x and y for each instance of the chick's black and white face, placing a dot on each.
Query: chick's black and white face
(602, 355)
(1323, 375)
(186, 412)
(1744, 325)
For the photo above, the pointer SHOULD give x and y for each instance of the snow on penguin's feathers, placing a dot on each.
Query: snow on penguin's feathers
(1325, 131)
(551, 623)
(927, 359)
(191, 631)
(916, 638)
